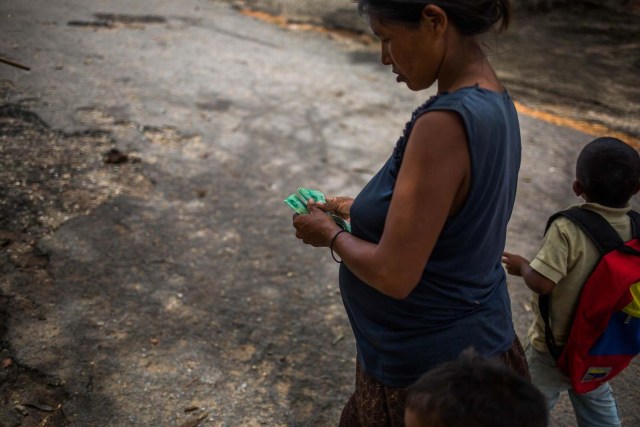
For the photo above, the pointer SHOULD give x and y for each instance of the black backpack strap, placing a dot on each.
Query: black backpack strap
(635, 223)
(544, 304)
(598, 229)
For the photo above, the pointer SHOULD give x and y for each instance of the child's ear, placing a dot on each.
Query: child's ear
(578, 190)
(637, 188)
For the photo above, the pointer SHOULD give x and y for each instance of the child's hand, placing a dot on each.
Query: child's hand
(514, 264)
(519, 266)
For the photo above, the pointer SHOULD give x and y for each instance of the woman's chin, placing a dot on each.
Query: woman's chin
(400, 79)
(409, 86)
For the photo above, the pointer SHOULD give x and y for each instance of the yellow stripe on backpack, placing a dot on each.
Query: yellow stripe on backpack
(633, 308)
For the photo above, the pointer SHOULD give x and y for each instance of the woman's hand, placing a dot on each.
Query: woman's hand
(315, 228)
(341, 206)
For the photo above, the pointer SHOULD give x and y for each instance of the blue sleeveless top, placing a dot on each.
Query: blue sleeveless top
(461, 299)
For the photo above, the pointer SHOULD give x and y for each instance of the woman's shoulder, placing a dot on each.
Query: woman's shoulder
(474, 104)
(470, 95)
(466, 101)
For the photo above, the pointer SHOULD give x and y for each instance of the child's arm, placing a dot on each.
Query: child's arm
(519, 266)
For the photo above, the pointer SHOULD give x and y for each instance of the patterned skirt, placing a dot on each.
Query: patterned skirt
(376, 405)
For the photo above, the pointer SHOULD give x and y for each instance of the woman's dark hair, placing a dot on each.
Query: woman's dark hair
(609, 171)
(476, 391)
(471, 17)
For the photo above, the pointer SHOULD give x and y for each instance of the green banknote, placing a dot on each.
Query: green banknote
(294, 202)
(343, 223)
(298, 202)
(307, 194)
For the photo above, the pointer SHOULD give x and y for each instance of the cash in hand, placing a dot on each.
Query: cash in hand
(298, 202)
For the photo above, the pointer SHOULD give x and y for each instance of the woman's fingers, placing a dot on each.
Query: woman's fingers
(339, 205)
(332, 204)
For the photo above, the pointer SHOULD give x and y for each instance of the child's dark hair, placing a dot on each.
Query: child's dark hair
(475, 391)
(609, 171)
(471, 17)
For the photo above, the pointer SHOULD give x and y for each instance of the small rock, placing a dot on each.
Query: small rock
(22, 410)
(115, 156)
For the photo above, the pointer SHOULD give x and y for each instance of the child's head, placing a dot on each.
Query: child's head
(473, 391)
(607, 172)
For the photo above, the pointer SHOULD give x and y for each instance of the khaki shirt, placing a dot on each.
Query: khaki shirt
(567, 257)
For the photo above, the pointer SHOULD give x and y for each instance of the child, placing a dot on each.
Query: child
(607, 176)
(473, 391)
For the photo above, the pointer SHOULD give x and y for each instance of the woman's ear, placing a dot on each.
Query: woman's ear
(435, 18)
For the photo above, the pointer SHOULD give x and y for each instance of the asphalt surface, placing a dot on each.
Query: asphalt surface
(149, 272)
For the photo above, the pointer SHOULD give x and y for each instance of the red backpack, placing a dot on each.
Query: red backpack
(605, 331)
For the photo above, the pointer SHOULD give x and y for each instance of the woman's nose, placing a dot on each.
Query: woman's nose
(385, 58)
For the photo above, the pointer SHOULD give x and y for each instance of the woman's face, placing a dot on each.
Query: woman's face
(413, 52)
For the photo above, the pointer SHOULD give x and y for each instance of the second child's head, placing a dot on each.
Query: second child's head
(474, 391)
(607, 172)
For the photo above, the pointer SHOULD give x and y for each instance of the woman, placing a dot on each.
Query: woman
(421, 275)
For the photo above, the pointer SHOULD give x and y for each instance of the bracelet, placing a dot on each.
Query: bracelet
(331, 246)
